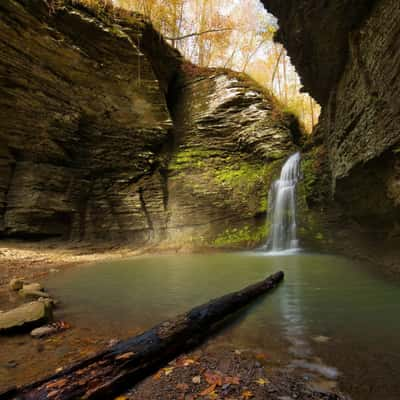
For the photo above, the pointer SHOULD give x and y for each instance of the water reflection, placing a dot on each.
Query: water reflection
(294, 323)
(316, 320)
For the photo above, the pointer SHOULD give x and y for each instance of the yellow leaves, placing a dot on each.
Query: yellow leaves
(247, 394)
(121, 398)
(168, 370)
(213, 396)
(125, 356)
(185, 362)
(262, 381)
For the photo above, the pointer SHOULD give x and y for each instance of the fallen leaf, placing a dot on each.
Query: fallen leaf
(231, 380)
(208, 390)
(168, 370)
(247, 394)
(196, 379)
(56, 384)
(185, 362)
(213, 395)
(212, 378)
(262, 381)
(121, 398)
(157, 376)
(125, 356)
(238, 352)
(261, 356)
(182, 386)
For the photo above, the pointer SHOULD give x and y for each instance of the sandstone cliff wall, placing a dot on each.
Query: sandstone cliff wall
(106, 136)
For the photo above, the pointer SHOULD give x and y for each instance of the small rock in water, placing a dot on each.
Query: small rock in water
(43, 331)
(321, 339)
(11, 364)
(49, 301)
(16, 284)
(37, 287)
(35, 294)
(33, 290)
(54, 270)
(112, 342)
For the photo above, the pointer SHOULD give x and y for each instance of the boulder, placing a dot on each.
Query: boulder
(33, 290)
(16, 284)
(32, 287)
(35, 294)
(25, 317)
(43, 331)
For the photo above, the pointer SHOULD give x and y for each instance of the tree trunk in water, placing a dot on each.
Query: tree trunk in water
(111, 371)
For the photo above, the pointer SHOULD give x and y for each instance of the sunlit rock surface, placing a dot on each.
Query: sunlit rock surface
(89, 148)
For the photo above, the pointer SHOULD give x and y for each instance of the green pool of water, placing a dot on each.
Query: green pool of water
(331, 316)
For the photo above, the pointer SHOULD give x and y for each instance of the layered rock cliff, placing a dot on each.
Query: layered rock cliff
(107, 135)
(348, 55)
(230, 140)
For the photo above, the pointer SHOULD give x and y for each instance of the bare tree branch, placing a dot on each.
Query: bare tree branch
(276, 66)
(198, 33)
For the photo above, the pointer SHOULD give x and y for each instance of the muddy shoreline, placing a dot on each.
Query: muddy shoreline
(35, 260)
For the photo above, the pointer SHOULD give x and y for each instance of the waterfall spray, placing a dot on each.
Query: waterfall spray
(282, 207)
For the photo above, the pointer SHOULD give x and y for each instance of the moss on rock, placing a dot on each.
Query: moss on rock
(245, 236)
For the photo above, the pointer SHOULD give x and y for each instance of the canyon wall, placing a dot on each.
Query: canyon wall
(348, 55)
(107, 134)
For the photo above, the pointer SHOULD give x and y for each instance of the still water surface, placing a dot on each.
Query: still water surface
(332, 316)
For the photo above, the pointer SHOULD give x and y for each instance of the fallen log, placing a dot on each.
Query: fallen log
(109, 372)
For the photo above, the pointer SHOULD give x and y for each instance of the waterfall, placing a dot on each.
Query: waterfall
(282, 207)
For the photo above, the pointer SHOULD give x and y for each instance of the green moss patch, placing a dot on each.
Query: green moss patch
(246, 236)
(193, 158)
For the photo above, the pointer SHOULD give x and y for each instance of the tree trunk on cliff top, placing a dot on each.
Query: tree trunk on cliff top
(109, 372)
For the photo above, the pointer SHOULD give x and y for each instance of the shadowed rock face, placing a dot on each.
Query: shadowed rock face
(89, 149)
(230, 140)
(348, 54)
(80, 121)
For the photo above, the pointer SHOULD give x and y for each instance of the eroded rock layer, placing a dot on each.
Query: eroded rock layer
(230, 140)
(90, 150)
(348, 54)
(82, 119)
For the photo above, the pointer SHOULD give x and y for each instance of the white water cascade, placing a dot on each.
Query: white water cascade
(282, 207)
